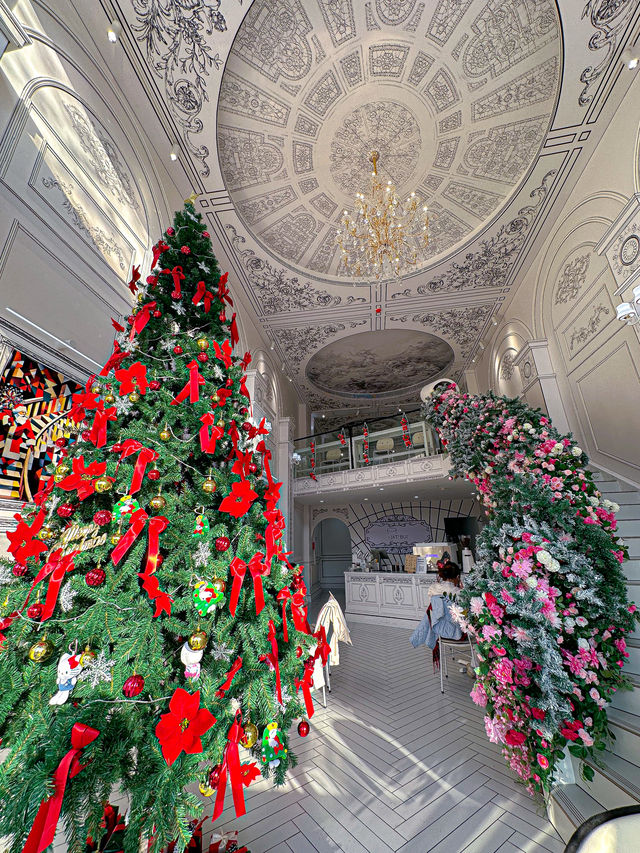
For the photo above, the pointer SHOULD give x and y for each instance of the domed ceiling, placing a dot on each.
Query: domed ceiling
(456, 96)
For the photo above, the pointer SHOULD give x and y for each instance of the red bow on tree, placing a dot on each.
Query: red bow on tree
(158, 249)
(44, 826)
(157, 525)
(233, 331)
(56, 567)
(145, 456)
(178, 276)
(224, 353)
(209, 437)
(298, 612)
(240, 775)
(223, 396)
(23, 542)
(223, 290)
(192, 388)
(132, 379)
(141, 319)
(115, 359)
(258, 569)
(243, 388)
(98, 434)
(226, 686)
(246, 360)
(117, 326)
(238, 501)
(203, 295)
(135, 276)
(306, 683)
(82, 478)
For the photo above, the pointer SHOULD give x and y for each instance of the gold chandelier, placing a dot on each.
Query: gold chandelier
(385, 236)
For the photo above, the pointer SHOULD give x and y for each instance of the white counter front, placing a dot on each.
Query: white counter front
(392, 597)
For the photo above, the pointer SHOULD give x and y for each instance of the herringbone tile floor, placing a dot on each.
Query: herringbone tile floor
(392, 765)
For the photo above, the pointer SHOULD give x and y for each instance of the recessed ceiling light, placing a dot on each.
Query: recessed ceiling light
(321, 502)
(365, 499)
(416, 496)
(382, 488)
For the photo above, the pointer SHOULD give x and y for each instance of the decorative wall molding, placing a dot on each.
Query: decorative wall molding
(572, 278)
(609, 18)
(621, 243)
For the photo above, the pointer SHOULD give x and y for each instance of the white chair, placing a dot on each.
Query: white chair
(452, 644)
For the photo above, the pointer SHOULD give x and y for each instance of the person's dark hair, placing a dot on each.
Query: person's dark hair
(450, 571)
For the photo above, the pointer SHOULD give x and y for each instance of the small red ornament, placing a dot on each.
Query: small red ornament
(35, 611)
(153, 474)
(246, 426)
(85, 434)
(61, 442)
(95, 576)
(65, 510)
(157, 313)
(177, 349)
(170, 231)
(222, 317)
(303, 728)
(253, 468)
(203, 357)
(102, 517)
(244, 411)
(152, 280)
(223, 543)
(214, 775)
(175, 295)
(185, 250)
(19, 571)
(205, 234)
(116, 448)
(229, 382)
(299, 652)
(133, 686)
(155, 385)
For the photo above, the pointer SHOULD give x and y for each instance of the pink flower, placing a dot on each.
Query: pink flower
(632, 607)
(506, 597)
(594, 694)
(542, 760)
(620, 644)
(489, 632)
(521, 568)
(477, 605)
(587, 740)
(479, 695)
(514, 738)
(495, 730)
(503, 671)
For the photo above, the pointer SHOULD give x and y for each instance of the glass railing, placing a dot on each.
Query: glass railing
(337, 450)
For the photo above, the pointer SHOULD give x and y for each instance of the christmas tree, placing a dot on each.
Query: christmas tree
(153, 631)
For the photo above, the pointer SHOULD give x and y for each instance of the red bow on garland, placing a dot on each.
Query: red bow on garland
(240, 775)
(306, 682)
(258, 570)
(192, 388)
(233, 331)
(83, 479)
(116, 358)
(56, 567)
(224, 353)
(223, 290)
(44, 826)
(203, 295)
(135, 276)
(102, 416)
(208, 438)
(239, 499)
(145, 456)
(157, 525)
(298, 611)
(132, 379)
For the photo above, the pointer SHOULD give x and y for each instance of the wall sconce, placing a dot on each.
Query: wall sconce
(629, 312)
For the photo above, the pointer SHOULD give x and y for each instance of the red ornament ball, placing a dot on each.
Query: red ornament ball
(205, 234)
(19, 571)
(154, 385)
(253, 468)
(214, 775)
(35, 611)
(153, 474)
(102, 517)
(85, 434)
(246, 426)
(65, 510)
(299, 652)
(303, 728)
(203, 357)
(170, 231)
(185, 250)
(177, 349)
(223, 543)
(176, 295)
(157, 313)
(229, 382)
(152, 280)
(222, 317)
(133, 686)
(244, 411)
(61, 442)
(95, 577)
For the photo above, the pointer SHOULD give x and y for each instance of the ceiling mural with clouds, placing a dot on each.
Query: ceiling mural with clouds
(487, 109)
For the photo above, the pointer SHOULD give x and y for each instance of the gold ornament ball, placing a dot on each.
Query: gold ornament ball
(134, 396)
(219, 584)
(140, 297)
(215, 398)
(46, 533)
(203, 344)
(95, 389)
(102, 485)
(206, 790)
(41, 651)
(209, 486)
(109, 398)
(165, 435)
(62, 469)
(250, 737)
(220, 423)
(157, 502)
(197, 641)
(58, 478)
(115, 538)
(87, 656)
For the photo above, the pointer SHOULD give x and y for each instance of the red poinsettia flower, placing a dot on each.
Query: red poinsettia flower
(239, 500)
(180, 730)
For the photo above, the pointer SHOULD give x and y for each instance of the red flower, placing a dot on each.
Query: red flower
(185, 250)
(514, 738)
(538, 713)
(239, 500)
(180, 729)
(569, 734)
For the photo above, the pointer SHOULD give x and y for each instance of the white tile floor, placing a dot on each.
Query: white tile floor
(392, 765)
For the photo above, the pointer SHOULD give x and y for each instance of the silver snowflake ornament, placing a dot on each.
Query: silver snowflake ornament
(67, 594)
(221, 652)
(97, 670)
(202, 554)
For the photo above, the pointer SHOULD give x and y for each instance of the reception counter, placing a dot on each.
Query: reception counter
(396, 598)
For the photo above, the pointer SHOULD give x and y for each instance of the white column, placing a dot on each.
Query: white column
(535, 366)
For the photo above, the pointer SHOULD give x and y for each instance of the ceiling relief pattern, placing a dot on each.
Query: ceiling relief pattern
(460, 326)
(609, 18)
(310, 88)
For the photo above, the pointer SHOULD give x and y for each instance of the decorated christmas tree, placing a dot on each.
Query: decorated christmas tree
(153, 631)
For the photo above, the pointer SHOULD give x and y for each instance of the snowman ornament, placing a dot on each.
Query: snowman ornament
(191, 659)
(69, 668)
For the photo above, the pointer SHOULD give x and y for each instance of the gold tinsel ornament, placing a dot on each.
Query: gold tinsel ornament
(103, 484)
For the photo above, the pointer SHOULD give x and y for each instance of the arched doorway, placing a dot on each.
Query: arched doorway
(332, 552)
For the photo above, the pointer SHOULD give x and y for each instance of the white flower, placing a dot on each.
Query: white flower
(558, 448)
(544, 557)
(593, 500)
(582, 643)
(576, 451)
(612, 506)
(569, 622)
(531, 582)
(527, 426)
(553, 566)
(581, 621)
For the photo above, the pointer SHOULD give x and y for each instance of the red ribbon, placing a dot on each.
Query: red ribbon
(82, 478)
(158, 249)
(246, 360)
(298, 611)
(192, 388)
(46, 822)
(157, 525)
(243, 388)
(223, 290)
(306, 683)
(135, 276)
(202, 294)
(226, 686)
(98, 435)
(233, 331)
(115, 359)
(145, 456)
(208, 438)
(141, 319)
(224, 353)
(134, 378)
(55, 569)
(231, 765)
(258, 569)
(177, 275)
(323, 648)
(271, 636)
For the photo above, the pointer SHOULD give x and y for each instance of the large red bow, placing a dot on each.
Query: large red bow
(145, 456)
(202, 294)
(226, 686)
(157, 524)
(192, 388)
(223, 290)
(132, 379)
(298, 612)
(306, 683)
(44, 826)
(158, 249)
(239, 774)
(224, 353)
(141, 319)
(98, 434)
(115, 359)
(258, 570)
(135, 276)
(178, 276)
(208, 438)
(55, 569)
(82, 478)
